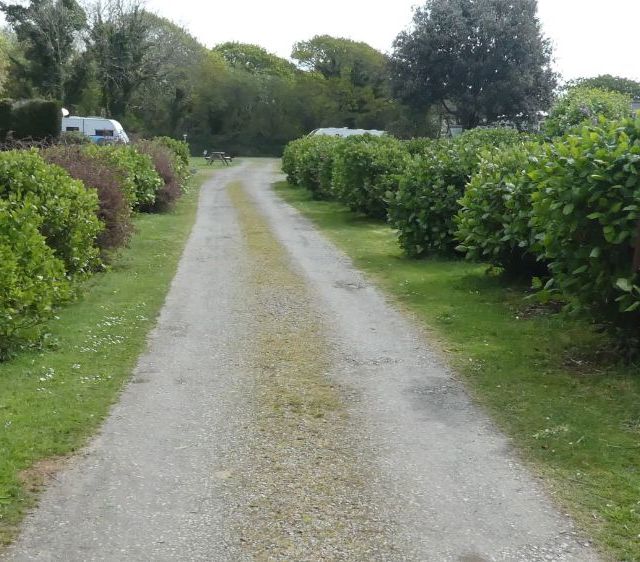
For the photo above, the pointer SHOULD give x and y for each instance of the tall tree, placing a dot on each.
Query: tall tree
(162, 102)
(119, 40)
(47, 31)
(479, 60)
(254, 59)
(357, 78)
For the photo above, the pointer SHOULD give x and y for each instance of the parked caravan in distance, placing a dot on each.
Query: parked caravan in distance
(98, 129)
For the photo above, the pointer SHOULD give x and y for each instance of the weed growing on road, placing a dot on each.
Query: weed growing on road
(549, 381)
(306, 485)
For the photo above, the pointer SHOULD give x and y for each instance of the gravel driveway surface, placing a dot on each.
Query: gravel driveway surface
(285, 410)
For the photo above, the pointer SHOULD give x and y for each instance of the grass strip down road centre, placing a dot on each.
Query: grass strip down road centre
(52, 400)
(550, 382)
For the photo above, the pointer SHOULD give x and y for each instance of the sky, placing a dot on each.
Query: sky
(591, 37)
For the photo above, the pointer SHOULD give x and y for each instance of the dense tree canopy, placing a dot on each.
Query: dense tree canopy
(47, 31)
(478, 60)
(254, 59)
(609, 82)
(468, 61)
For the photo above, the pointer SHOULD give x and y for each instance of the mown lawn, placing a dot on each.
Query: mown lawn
(51, 401)
(550, 382)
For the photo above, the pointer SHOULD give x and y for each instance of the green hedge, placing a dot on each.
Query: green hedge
(366, 173)
(586, 211)
(36, 119)
(32, 279)
(314, 164)
(141, 180)
(68, 210)
(493, 224)
(427, 201)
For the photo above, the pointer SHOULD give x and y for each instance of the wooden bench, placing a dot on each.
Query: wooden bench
(220, 157)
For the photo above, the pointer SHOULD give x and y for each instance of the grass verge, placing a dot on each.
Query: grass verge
(51, 401)
(549, 381)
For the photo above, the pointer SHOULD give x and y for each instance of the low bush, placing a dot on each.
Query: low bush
(493, 224)
(586, 214)
(114, 211)
(32, 279)
(141, 181)
(585, 106)
(181, 151)
(291, 158)
(366, 172)
(315, 165)
(427, 201)
(69, 223)
(167, 166)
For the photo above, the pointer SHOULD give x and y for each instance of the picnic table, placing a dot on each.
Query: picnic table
(223, 157)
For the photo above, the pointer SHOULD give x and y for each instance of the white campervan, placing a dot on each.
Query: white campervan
(98, 129)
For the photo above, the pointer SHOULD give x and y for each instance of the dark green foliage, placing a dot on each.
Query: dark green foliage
(585, 214)
(36, 119)
(314, 158)
(47, 31)
(493, 224)
(67, 209)
(478, 61)
(366, 171)
(585, 106)
(424, 207)
(427, 199)
(6, 106)
(32, 278)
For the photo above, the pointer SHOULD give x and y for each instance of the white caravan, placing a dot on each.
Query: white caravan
(98, 129)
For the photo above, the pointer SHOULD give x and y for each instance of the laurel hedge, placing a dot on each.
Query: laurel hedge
(565, 213)
(367, 171)
(586, 220)
(493, 222)
(54, 229)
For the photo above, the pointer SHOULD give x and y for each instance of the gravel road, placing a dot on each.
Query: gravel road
(285, 410)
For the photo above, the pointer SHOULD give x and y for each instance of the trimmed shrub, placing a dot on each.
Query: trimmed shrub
(68, 210)
(493, 222)
(141, 181)
(585, 106)
(36, 119)
(315, 165)
(166, 164)
(32, 279)
(366, 172)
(585, 215)
(291, 158)
(181, 151)
(114, 211)
(427, 200)
(426, 203)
